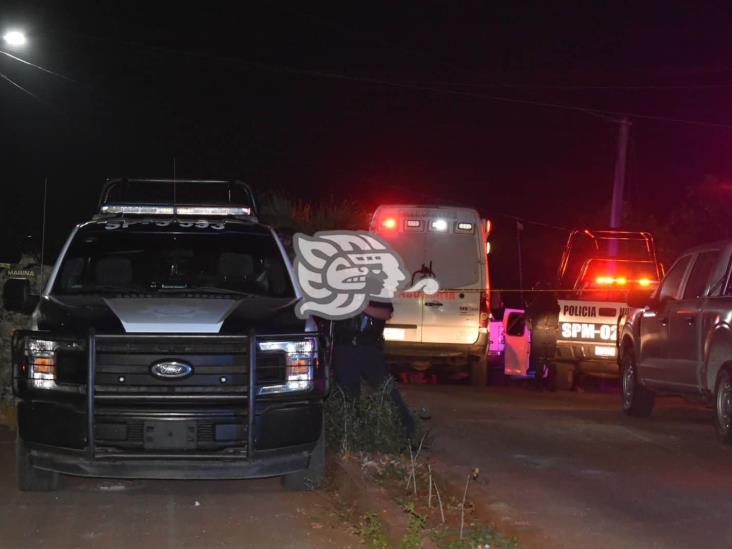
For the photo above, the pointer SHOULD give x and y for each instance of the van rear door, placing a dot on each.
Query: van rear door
(457, 261)
(389, 224)
(453, 252)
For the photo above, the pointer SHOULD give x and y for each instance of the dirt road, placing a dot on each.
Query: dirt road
(574, 472)
(164, 514)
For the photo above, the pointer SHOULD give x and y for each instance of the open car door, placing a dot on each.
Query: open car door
(518, 343)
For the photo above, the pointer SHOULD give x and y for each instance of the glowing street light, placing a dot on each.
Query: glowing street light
(15, 38)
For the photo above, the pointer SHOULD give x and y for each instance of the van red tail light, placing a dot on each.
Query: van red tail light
(485, 309)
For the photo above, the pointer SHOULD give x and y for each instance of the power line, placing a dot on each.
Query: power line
(532, 222)
(40, 68)
(592, 111)
(621, 87)
(24, 90)
(601, 113)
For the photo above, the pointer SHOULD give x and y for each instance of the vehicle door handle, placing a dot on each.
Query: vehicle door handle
(689, 315)
(433, 304)
(663, 322)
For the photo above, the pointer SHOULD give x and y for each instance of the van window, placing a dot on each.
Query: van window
(455, 259)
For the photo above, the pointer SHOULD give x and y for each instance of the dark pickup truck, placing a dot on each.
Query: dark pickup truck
(166, 345)
(679, 341)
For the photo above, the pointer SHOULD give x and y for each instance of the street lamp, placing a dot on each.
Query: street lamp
(15, 38)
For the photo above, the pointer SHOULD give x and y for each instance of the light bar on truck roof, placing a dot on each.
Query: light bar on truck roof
(389, 223)
(138, 210)
(212, 210)
(439, 225)
(622, 281)
(179, 210)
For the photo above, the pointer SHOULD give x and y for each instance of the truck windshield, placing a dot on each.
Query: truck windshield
(163, 262)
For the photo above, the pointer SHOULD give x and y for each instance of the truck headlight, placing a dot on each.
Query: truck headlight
(301, 357)
(39, 361)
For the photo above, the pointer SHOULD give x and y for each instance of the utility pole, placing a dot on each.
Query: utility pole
(519, 228)
(619, 177)
(43, 235)
(616, 208)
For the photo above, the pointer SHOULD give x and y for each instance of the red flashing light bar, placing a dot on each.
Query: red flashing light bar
(389, 223)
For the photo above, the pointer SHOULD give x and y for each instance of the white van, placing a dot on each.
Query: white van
(447, 331)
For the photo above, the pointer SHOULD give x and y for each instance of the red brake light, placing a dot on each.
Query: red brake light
(389, 223)
(488, 226)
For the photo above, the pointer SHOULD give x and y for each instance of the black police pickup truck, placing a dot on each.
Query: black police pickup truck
(165, 345)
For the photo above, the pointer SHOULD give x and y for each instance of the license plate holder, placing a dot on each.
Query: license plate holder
(170, 435)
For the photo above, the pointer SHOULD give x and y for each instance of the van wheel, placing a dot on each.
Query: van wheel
(561, 377)
(723, 406)
(478, 371)
(637, 400)
(497, 377)
(312, 477)
(29, 478)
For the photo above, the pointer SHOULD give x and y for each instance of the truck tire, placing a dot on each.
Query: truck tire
(561, 376)
(543, 315)
(637, 400)
(29, 478)
(311, 478)
(478, 371)
(723, 406)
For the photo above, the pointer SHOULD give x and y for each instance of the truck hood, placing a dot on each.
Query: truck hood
(77, 315)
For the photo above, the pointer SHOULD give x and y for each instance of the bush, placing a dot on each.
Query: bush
(282, 211)
(370, 423)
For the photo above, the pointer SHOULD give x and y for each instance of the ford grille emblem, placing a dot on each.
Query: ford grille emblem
(171, 369)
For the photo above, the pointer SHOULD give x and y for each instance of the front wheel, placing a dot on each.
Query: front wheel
(29, 478)
(723, 407)
(312, 477)
(637, 400)
(561, 376)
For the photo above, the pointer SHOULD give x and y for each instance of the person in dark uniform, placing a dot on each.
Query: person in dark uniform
(542, 313)
(358, 353)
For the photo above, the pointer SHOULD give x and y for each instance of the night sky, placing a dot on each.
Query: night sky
(373, 101)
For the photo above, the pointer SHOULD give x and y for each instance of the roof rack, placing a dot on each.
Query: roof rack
(177, 197)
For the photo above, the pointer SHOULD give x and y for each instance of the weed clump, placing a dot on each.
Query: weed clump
(370, 423)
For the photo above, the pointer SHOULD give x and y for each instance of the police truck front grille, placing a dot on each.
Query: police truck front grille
(220, 366)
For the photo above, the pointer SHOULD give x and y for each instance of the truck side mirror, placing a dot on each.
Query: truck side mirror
(17, 296)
